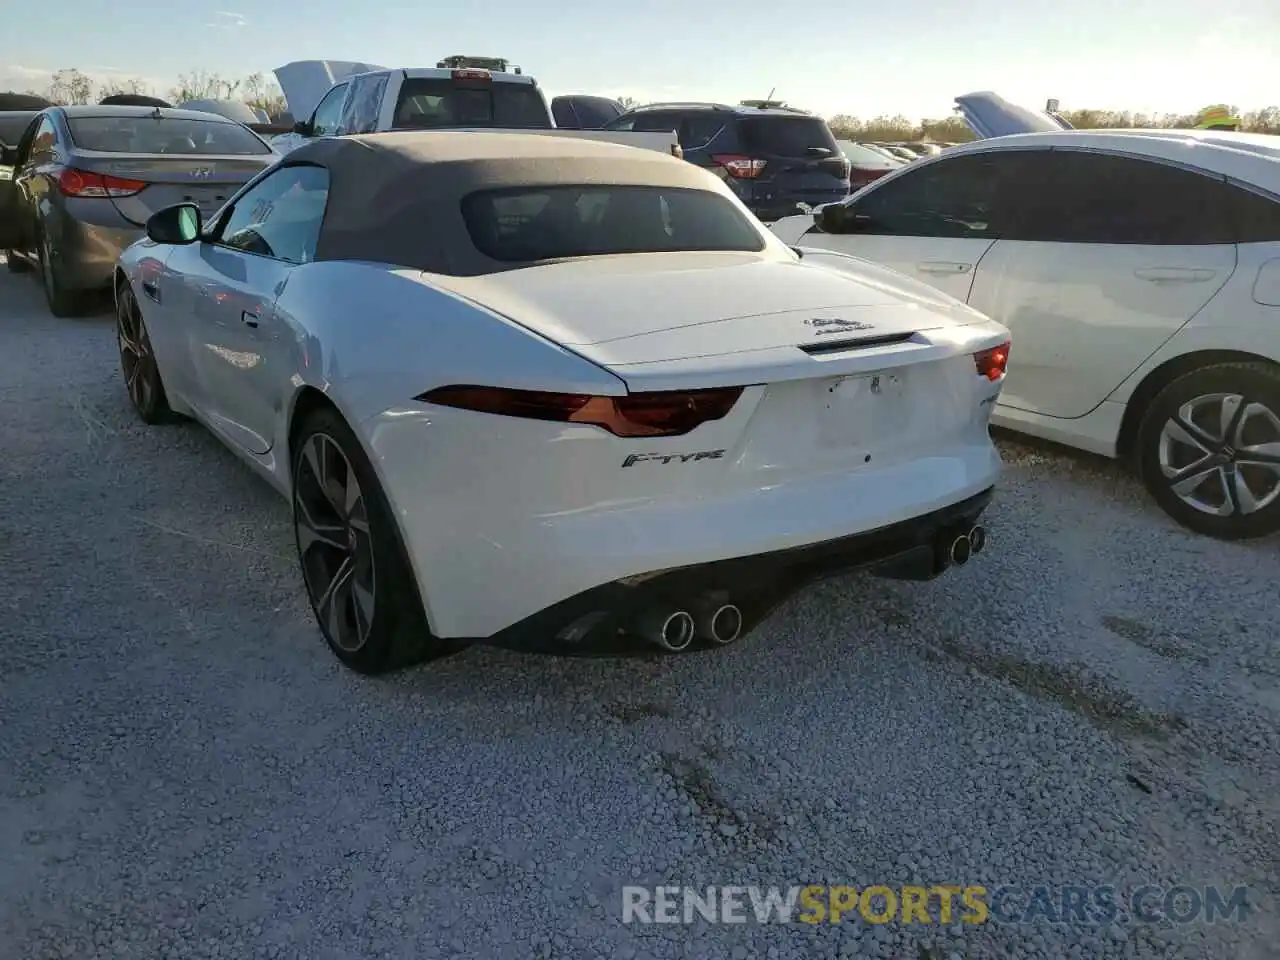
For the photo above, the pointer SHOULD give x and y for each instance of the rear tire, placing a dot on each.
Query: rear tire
(354, 566)
(1209, 450)
(62, 301)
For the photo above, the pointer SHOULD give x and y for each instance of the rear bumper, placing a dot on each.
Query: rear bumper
(86, 253)
(907, 550)
(503, 519)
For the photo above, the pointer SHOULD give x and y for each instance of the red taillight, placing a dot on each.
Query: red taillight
(472, 74)
(736, 165)
(664, 414)
(84, 183)
(861, 177)
(992, 363)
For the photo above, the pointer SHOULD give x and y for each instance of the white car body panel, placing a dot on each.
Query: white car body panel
(818, 446)
(1082, 347)
(1079, 339)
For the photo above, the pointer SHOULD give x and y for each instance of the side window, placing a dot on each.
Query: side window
(959, 197)
(327, 119)
(25, 141)
(1256, 218)
(360, 112)
(563, 114)
(280, 216)
(658, 121)
(699, 129)
(626, 123)
(43, 142)
(1070, 196)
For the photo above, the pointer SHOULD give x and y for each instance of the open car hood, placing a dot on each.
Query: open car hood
(305, 82)
(990, 115)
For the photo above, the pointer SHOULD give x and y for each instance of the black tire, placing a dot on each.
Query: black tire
(1237, 482)
(138, 361)
(15, 263)
(62, 301)
(393, 631)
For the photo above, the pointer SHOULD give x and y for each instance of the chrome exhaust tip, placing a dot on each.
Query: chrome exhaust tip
(670, 630)
(960, 550)
(726, 624)
(977, 539)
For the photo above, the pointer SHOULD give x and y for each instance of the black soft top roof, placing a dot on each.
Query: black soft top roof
(397, 197)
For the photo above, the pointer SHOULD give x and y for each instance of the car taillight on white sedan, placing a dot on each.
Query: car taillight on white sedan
(85, 183)
(992, 363)
(657, 414)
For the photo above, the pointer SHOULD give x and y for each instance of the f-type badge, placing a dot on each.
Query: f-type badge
(823, 326)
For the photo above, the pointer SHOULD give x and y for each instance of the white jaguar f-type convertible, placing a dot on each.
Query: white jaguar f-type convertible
(528, 387)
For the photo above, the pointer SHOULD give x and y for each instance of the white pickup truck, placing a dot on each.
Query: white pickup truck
(343, 97)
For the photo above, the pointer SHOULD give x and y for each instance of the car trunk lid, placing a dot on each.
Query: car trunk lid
(716, 317)
(802, 158)
(989, 115)
(208, 181)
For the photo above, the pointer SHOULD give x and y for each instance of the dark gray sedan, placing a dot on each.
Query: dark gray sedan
(85, 179)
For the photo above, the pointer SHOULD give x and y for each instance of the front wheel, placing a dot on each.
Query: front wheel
(357, 574)
(1209, 450)
(138, 361)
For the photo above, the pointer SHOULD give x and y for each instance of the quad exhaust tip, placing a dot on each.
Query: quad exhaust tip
(967, 545)
(725, 625)
(670, 630)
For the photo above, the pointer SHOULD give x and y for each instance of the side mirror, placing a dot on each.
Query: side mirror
(832, 218)
(303, 127)
(180, 224)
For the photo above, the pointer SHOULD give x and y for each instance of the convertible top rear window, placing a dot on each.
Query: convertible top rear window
(174, 135)
(548, 223)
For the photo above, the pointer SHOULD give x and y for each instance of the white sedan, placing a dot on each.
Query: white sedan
(518, 386)
(1139, 273)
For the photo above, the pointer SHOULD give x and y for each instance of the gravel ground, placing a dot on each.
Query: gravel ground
(185, 770)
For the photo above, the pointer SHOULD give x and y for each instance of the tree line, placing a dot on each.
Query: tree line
(73, 86)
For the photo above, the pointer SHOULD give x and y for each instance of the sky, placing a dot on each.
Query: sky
(902, 56)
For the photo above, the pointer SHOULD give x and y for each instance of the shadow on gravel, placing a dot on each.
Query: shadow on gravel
(1109, 709)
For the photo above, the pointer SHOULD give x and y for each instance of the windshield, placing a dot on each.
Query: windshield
(548, 223)
(787, 136)
(427, 104)
(176, 135)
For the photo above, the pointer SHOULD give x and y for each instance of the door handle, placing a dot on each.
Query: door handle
(1174, 275)
(939, 266)
(250, 319)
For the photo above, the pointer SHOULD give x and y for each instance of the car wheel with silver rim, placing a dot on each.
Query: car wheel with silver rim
(357, 574)
(1209, 450)
(138, 360)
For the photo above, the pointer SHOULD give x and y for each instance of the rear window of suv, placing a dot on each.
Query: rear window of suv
(530, 224)
(174, 135)
(786, 136)
(438, 104)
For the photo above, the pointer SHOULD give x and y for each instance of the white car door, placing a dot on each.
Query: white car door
(1104, 259)
(933, 222)
(238, 337)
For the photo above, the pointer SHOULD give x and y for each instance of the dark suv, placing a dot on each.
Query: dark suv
(773, 156)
